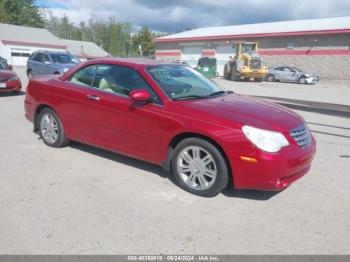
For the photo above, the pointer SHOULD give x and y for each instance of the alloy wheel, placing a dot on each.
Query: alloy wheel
(197, 167)
(49, 128)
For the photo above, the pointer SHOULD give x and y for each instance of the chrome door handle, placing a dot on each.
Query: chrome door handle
(92, 97)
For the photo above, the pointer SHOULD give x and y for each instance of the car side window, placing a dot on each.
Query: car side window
(121, 80)
(45, 58)
(84, 76)
(38, 57)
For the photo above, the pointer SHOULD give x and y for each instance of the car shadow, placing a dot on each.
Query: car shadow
(121, 159)
(229, 191)
(7, 94)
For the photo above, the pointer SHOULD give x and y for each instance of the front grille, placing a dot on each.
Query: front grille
(3, 80)
(255, 63)
(301, 135)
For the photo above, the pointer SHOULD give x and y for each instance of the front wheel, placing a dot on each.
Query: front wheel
(226, 72)
(199, 167)
(30, 75)
(302, 80)
(51, 129)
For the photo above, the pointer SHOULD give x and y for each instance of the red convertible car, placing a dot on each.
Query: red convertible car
(172, 116)
(9, 81)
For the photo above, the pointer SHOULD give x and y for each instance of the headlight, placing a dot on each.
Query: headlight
(266, 140)
(15, 78)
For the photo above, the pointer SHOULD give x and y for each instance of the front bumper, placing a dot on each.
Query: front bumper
(312, 80)
(271, 172)
(11, 86)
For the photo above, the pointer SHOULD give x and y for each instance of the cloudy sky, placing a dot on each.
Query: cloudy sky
(177, 15)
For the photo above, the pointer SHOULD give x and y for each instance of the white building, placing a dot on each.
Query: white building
(84, 50)
(320, 45)
(17, 43)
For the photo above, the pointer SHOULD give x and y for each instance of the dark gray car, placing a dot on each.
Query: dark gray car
(291, 74)
(50, 63)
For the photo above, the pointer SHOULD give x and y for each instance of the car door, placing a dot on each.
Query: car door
(111, 120)
(277, 73)
(46, 65)
(289, 74)
(35, 64)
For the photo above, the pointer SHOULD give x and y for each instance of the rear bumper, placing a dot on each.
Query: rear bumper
(11, 86)
(272, 172)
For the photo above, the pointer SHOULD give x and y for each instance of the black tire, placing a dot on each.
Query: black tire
(270, 78)
(30, 75)
(227, 75)
(16, 93)
(222, 175)
(61, 140)
(235, 76)
(302, 80)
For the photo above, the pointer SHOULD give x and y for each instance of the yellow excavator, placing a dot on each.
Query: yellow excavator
(246, 64)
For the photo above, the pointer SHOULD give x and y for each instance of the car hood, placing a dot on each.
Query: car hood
(238, 110)
(7, 73)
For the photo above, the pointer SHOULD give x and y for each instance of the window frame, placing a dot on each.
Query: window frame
(159, 102)
(36, 56)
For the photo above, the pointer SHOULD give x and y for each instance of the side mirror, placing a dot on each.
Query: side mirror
(139, 95)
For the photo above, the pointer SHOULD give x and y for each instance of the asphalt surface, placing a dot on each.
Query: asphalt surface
(83, 200)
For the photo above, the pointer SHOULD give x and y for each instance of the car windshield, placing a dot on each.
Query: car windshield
(64, 58)
(182, 82)
(296, 69)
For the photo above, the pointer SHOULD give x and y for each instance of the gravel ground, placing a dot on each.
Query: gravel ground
(83, 200)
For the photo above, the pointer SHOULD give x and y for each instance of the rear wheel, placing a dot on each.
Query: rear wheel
(270, 78)
(199, 167)
(51, 129)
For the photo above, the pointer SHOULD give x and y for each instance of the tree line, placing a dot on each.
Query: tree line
(117, 38)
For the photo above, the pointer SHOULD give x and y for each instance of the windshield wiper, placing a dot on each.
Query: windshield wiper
(220, 92)
(188, 97)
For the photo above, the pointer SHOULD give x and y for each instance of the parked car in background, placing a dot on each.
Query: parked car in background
(4, 63)
(50, 63)
(9, 81)
(291, 74)
(173, 116)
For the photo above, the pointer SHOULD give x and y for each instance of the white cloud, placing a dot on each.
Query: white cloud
(177, 15)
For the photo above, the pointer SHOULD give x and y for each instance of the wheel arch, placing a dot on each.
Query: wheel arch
(181, 136)
(37, 114)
